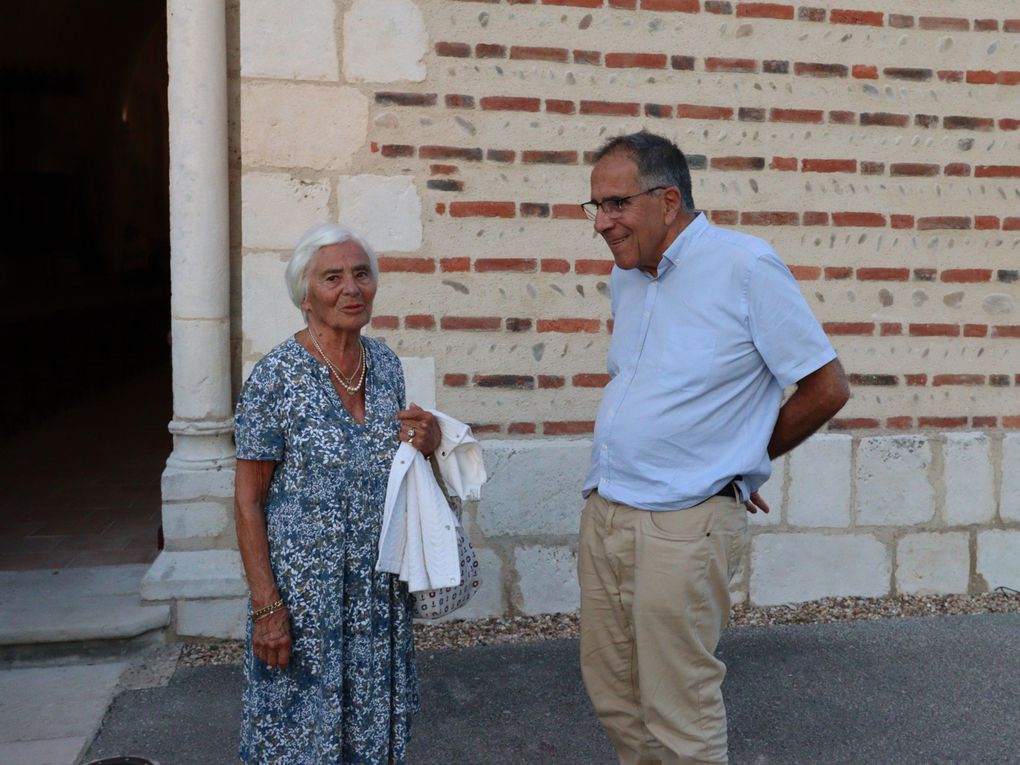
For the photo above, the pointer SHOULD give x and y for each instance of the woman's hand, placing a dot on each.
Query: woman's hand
(271, 635)
(420, 429)
(270, 638)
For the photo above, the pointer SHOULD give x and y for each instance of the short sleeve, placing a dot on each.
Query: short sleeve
(258, 422)
(785, 332)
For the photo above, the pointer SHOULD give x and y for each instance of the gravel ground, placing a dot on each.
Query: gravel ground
(522, 629)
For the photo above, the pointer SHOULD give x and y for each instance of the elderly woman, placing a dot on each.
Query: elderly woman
(329, 671)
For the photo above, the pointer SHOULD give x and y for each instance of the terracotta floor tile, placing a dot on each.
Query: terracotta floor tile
(23, 545)
(67, 526)
(135, 525)
(53, 559)
(97, 542)
(88, 480)
(18, 528)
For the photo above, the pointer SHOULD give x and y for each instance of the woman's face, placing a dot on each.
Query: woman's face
(341, 287)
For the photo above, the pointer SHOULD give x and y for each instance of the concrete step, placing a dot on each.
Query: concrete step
(76, 609)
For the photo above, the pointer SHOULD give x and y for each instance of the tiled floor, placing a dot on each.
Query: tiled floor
(82, 489)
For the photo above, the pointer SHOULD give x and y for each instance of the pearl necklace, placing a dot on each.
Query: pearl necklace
(347, 383)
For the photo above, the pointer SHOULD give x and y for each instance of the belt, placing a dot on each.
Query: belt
(728, 490)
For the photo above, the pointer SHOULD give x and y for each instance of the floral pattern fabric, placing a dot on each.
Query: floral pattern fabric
(349, 693)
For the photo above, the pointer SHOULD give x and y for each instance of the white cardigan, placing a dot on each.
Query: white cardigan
(418, 540)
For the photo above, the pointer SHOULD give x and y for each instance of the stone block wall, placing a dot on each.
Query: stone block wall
(867, 516)
(918, 515)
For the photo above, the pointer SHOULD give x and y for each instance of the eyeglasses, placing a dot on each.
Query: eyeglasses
(613, 206)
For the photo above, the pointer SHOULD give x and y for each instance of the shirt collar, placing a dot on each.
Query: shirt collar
(673, 254)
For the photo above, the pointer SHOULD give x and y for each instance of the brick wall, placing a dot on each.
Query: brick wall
(877, 151)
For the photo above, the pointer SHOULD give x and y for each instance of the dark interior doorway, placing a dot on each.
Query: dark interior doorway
(84, 269)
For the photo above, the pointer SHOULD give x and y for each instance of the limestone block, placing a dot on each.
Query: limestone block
(969, 479)
(276, 209)
(179, 484)
(384, 41)
(534, 487)
(201, 444)
(420, 380)
(548, 579)
(1009, 488)
(196, 519)
(998, 558)
(301, 125)
(269, 317)
(197, 574)
(488, 601)
(201, 384)
(772, 493)
(791, 568)
(820, 482)
(385, 210)
(933, 564)
(280, 40)
(216, 618)
(892, 481)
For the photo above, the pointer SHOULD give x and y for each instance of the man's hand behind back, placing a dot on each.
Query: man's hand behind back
(755, 503)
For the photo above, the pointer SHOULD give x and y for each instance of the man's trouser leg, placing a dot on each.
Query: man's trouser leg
(654, 600)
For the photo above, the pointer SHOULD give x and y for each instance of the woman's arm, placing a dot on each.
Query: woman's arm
(271, 640)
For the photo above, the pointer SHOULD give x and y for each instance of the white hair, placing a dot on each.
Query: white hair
(313, 239)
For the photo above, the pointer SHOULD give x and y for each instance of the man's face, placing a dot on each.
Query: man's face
(638, 237)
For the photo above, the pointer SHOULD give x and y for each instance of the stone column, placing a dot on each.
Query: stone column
(199, 568)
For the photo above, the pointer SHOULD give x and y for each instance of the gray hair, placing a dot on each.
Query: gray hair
(315, 238)
(660, 162)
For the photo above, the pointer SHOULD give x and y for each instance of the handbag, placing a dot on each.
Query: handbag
(433, 604)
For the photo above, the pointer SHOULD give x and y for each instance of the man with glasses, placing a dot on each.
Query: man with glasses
(709, 328)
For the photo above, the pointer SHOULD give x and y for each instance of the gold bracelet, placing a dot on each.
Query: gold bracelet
(260, 617)
(266, 610)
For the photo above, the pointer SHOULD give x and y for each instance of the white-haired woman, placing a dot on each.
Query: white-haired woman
(329, 671)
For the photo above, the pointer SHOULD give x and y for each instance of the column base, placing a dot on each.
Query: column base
(207, 588)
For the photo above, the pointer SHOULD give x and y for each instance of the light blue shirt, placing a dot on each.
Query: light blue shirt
(699, 358)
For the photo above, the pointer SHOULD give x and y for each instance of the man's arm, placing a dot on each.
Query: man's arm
(818, 397)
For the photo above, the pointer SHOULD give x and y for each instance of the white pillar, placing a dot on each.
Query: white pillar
(199, 234)
(199, 567)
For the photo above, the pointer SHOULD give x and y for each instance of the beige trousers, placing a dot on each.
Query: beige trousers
(654, 600)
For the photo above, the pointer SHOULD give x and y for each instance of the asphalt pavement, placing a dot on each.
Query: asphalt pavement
(934, 691)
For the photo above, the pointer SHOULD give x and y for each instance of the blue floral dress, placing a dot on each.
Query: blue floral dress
(349, 693)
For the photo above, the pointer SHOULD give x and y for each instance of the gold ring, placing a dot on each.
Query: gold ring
(410, 434)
